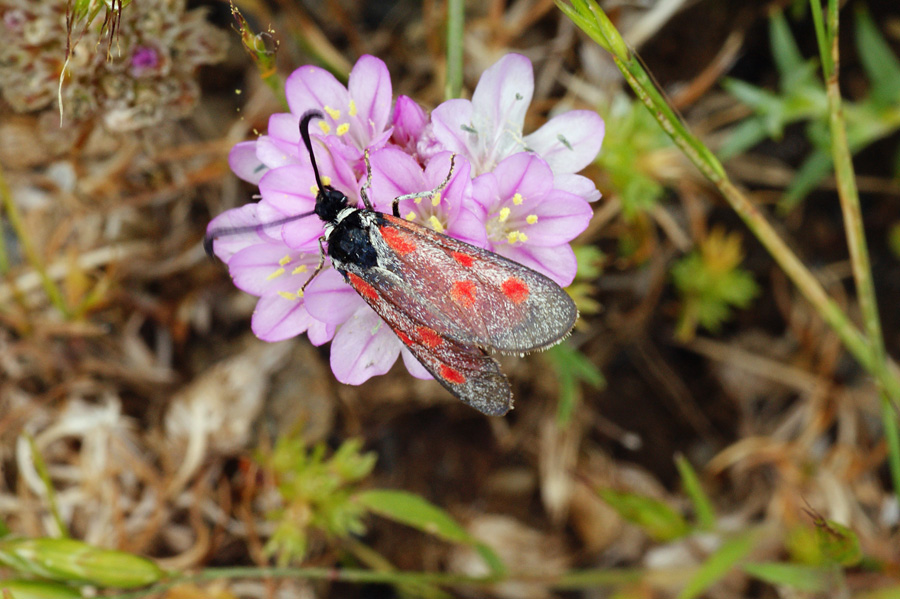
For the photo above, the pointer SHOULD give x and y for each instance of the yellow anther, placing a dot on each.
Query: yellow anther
(504, 214)
(513, 237)
(299, 293)
(299, 269)
(531, 219)
(287, 295)
(343, 128)
(277, 273)
(286, 260)
(411, 215)
(436, 224)
(518, 199)
(314, 189)
(326, 180)
(352, 110)
(418, 200)
(522, 237)
(436, 199)
(325, 127)
(334, 114)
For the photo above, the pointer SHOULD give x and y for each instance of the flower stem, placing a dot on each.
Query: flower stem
(853, 224)
(15, 220)
(455, 29)
(569, 580)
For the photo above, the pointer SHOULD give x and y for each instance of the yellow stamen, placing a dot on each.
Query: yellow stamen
(275, 274)
(411, 215)
(512, 237)
(436, 224)
(325, 127)
(285, 261)
(522, 237)
(299, 269)
(299, 293)
(343, 128)
(504, 214)
(287, 295)
(418, 200)
(326, 180)
(436, 199)
(352, 110)
(334, 114)
(518, 199)
(314, 189)
(531, 219)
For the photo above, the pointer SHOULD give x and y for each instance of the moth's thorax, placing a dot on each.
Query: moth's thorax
(349, 238)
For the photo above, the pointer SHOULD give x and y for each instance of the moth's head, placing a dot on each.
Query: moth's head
(329, 203)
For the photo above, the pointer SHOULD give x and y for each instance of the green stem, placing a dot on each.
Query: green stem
(41, 466)
(456, 19)
(15, 220)
(569, 580)
(854, 230)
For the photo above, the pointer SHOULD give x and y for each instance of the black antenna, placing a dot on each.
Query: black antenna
(308, 116)
(210, 237)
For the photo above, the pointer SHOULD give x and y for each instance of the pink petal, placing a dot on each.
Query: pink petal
(448, 120)
(313, 87)
(577, 184)
(523, 173)
(277, 318)
(285, 126)
(569, 142)
(561, 217)
(503, 94)
(330, 299)
(320, 333)
(370, 89)
(557, 262)
(394, 173)
(259, 270)
(290, 189)
(228, 242)
(363, 347)
(244, 163)
(414, 367)
(409, 121)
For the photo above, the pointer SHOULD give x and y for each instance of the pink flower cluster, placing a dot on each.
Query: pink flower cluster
(514, 194)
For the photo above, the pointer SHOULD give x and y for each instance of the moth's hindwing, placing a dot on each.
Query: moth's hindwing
(470, 295)
(466, 371)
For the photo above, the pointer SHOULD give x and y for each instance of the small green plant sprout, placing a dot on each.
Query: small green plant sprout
(711, 283)
(320, 495)
(802, 97)
(316, 494)
(638, 157)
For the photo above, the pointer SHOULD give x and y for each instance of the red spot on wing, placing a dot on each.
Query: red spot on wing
(429, 337)
(403, 337)
(363, 288)
(515, 289)
(463, 293)
(463, 259)
(397, 241)
(451, 375)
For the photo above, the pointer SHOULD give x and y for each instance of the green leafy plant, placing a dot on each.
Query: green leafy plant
(802, 97)
(316, 493)
(711, 283)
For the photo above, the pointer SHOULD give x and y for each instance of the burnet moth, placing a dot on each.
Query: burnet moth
(449, 302)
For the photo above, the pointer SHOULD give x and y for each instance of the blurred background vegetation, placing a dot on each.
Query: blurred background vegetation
(704, 432)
